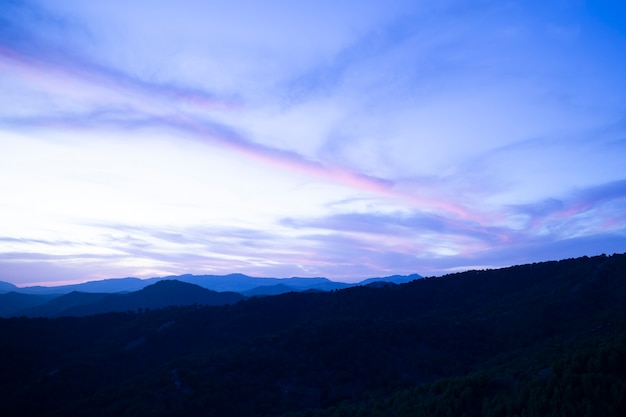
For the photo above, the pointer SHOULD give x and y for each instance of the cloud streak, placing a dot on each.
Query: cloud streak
(142, 114)
(31, 56)
(422, 139)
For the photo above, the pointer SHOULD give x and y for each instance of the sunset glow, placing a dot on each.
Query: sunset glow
(340, 139)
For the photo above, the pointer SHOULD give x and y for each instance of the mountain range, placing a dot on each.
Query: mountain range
(120, 294)
(165, 293)
(545, 339)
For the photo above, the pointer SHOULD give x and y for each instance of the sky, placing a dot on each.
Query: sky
(345, 139)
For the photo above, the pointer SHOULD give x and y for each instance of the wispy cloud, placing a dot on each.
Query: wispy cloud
(228, 138)
(584, 211)
(144, 104)
(31, 55)
(403, 138)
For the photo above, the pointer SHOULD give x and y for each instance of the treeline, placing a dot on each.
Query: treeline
(587, 381)
(540, 339)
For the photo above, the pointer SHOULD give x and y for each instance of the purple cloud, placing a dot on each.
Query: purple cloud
(582, 203)
(405, 139)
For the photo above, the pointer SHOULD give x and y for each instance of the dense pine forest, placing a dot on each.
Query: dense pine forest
(544, 339)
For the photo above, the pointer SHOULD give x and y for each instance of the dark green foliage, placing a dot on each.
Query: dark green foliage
(542, 339)
(589, 382)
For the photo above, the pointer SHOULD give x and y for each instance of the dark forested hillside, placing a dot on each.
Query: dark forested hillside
(163, 293)
(527, 340)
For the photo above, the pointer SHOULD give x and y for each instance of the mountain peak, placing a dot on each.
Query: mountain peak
(174, 285)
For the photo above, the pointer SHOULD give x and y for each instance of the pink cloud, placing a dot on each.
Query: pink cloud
(78, 75)
(49, 66)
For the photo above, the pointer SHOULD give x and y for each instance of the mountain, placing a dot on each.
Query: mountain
(62, 305)
(173, 292)
(230, 282)
(166, 293)
(542, 339)
(394, 279)
(110, 295)
(241, 283)
(269, 290)
(233, 282)
(112, 285)
(322, 284)
(7, 287)
(13, 302)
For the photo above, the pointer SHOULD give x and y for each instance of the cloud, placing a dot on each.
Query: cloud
(137, 109)
(572, 223)
(598, 203)
(406, 138)
(39, 55)
(59, 72)
(539, 250)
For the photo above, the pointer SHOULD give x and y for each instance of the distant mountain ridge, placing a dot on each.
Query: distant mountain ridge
(161, 294)
(110, 285)
(542, 339)
(7, 287)
(13, 302)
(232, 282)
(121, 294)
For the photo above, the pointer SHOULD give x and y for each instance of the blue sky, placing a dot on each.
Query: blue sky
(345, 139)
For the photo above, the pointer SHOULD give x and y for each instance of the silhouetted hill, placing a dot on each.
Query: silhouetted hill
(112, 285)
(395, 279)
(173, 292)
(13, 302)
(7, 287)
(241, 283)
(536, 340)
(269, 290)
(162, 294)
(221, 283)
(63, 305)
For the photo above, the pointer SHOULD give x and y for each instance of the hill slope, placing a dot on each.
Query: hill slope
(221, 283)
(166, 293)
(12, 302)
(464, 343)
(7, 287)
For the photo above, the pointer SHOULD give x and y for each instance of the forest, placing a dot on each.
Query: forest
(543, 339)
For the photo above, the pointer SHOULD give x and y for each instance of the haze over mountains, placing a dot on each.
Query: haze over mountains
(121, 294)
